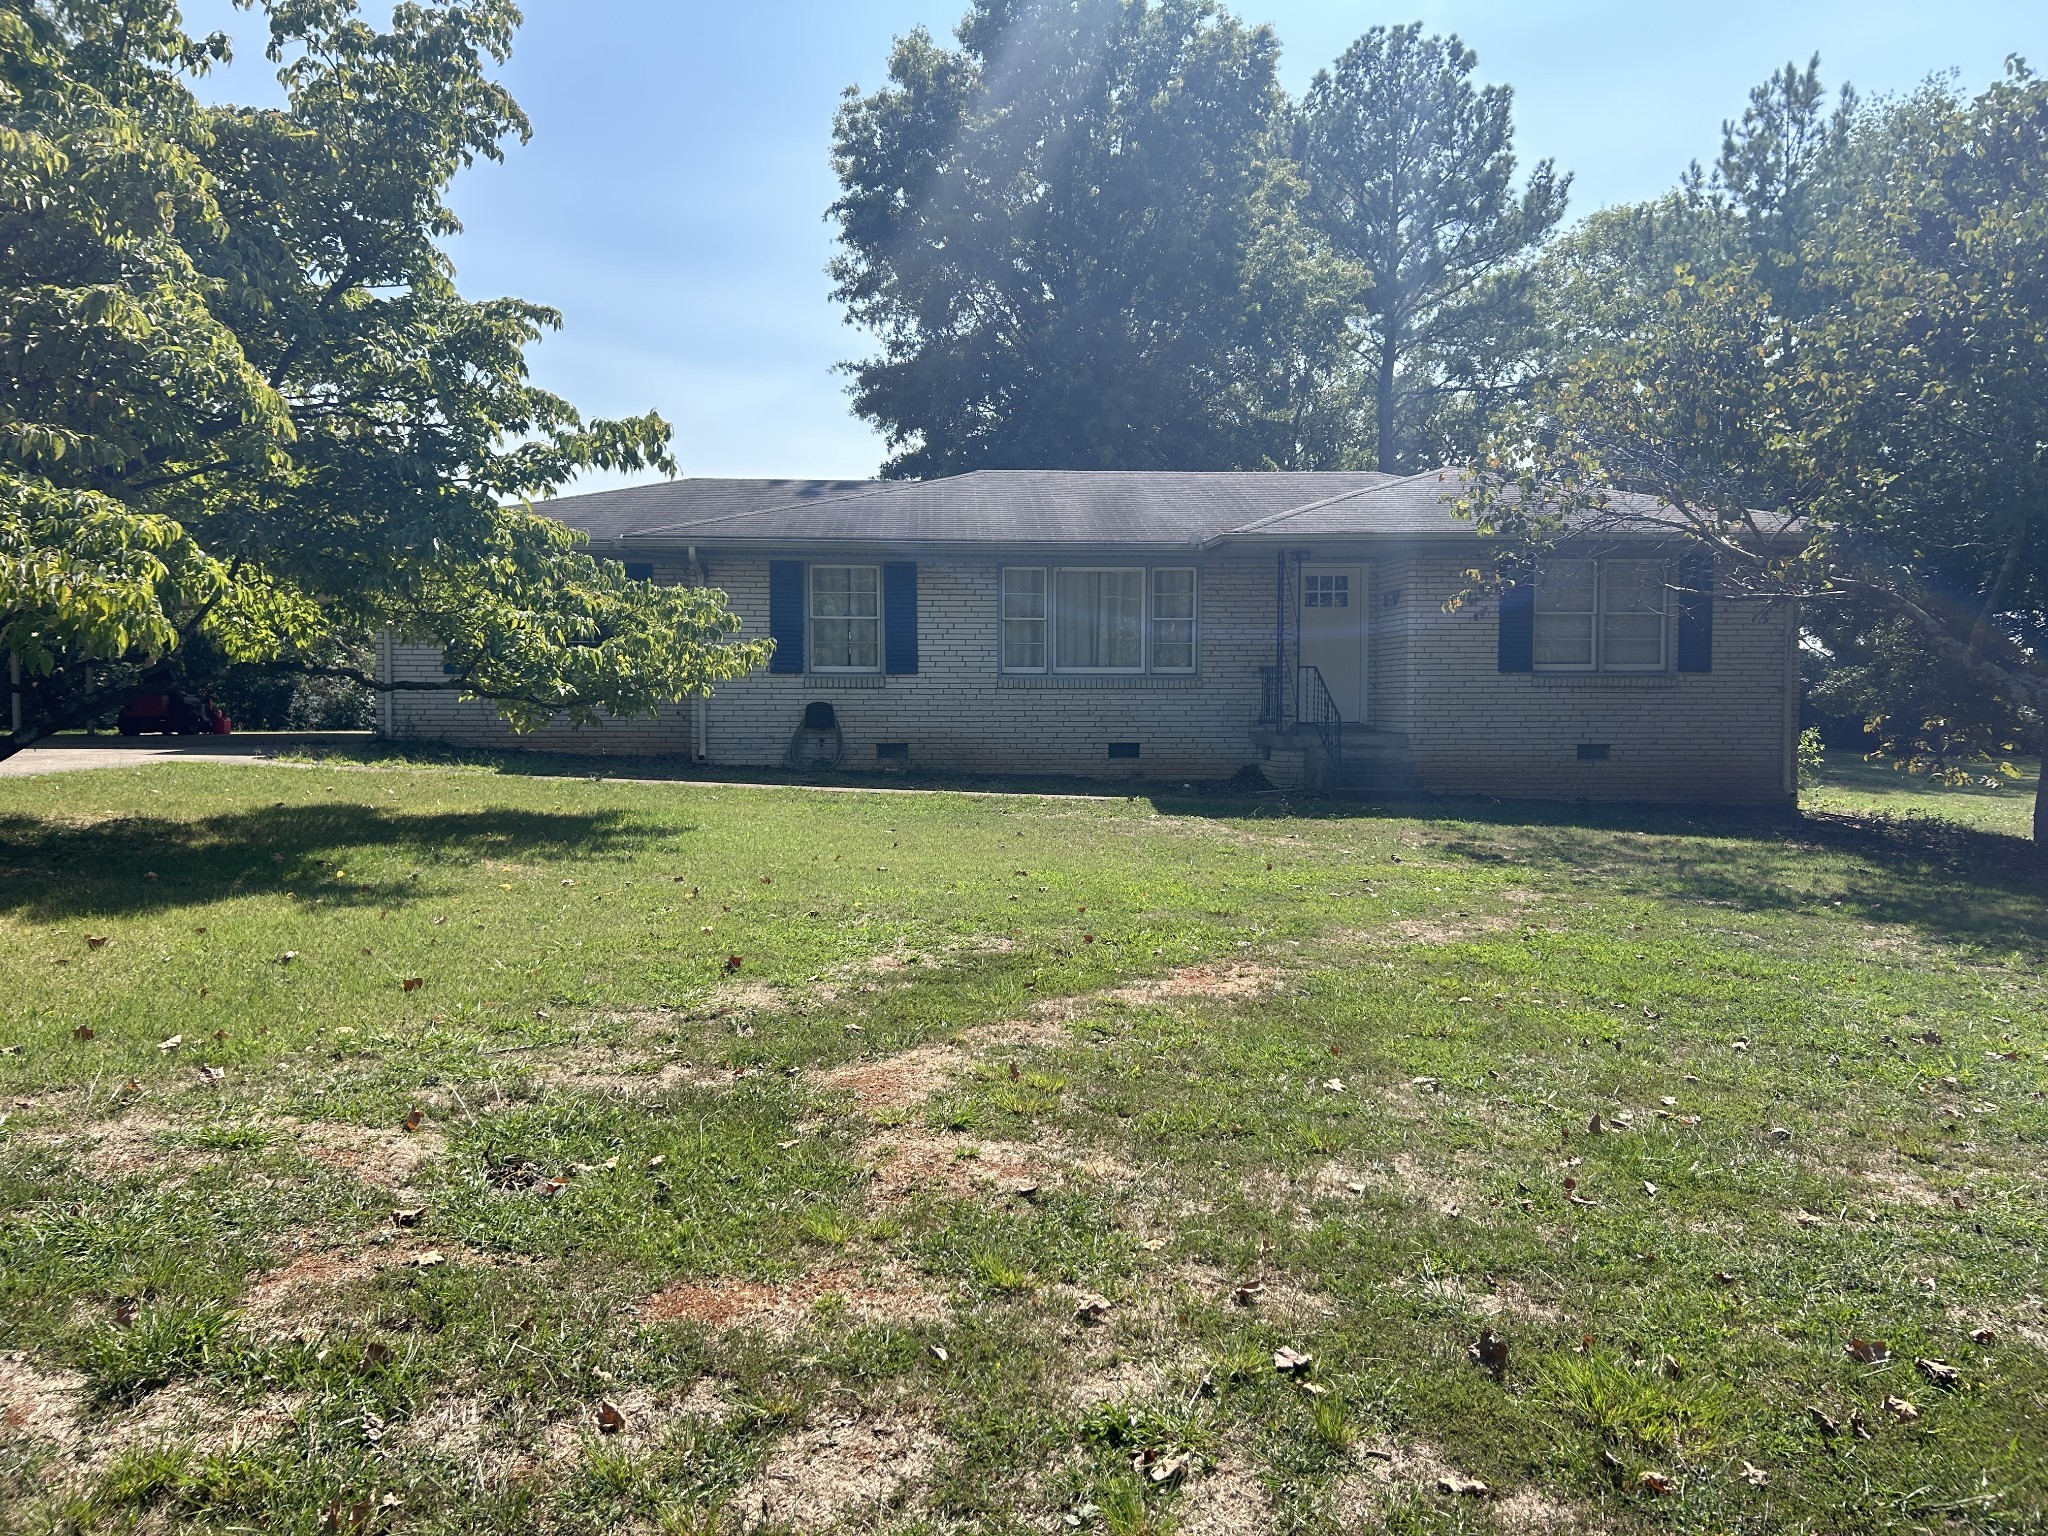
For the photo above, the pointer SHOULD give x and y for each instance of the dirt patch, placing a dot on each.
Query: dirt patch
(386, 1158)
(303, 1291)
(857, 1473)
(1361, 1499)
(898, 1082)
(38, 1403)
(1229, 983)
(892, 1294)
(1529, 1511)
(1901, 1186)
(1226, 1500)
(1402, 1174)
(912, 1161)
(1441, 930)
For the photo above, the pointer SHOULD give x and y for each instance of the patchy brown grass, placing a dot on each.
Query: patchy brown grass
(858, 1472)
(890, 1293)
(898, 1082)
(387, 1159)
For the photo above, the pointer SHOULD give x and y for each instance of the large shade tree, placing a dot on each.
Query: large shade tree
(248, 416)
(1070, 236)
(1875, 450)
(1410, 175)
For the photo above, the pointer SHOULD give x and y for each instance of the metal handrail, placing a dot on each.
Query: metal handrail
(1317, 708)
(1270, 697)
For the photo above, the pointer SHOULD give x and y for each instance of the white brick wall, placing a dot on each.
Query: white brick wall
(1719, 737)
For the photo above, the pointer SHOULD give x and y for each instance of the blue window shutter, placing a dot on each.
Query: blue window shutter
(786, 614)
(1696, 613)
(1518, 629)
(899, 619)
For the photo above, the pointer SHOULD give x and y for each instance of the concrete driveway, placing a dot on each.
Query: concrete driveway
(63, 754)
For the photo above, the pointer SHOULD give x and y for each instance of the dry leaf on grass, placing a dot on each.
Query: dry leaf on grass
(1291, 1362)
(1868, 1351)
(1090, 1308)
(412, 984)
(1462, 1487)
(1940, 1372)
(1489, 1351)
(1755, 1476)
(1656, 1482)
(609, 1420)
(1900, 1409)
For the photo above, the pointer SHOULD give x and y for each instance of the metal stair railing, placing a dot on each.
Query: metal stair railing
(1318, 709)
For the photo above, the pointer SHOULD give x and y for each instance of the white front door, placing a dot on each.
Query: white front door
(1333, 633)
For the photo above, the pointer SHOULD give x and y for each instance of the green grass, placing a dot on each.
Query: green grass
(1848, 785)
(1360, 1124)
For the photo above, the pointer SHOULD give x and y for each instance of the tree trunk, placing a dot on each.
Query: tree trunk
(1383, 400)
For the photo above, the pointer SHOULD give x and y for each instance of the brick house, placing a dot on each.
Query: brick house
(1184, 626)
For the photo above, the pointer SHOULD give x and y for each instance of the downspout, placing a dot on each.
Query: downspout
(1279, 637)
(14, 685)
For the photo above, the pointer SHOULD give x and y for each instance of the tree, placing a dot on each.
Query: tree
(1410, 174)
(1879, 447)
(248, 415)
(1065, 234)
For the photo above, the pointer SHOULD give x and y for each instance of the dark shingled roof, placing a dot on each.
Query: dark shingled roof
(1031, 506)
(1025, 507)
(607, 515)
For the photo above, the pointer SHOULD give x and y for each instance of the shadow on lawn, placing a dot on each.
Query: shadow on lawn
(1953, 882)
(139, 864)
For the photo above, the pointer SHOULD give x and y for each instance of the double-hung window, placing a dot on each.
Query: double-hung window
(1024, 611)
(1097, 619)
(846, 618)
(1602, 616)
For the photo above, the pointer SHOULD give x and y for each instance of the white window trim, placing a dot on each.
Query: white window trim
(811, 620)
(1599, 663)
(1044, 621)
(1193, 620)
(1053, 667)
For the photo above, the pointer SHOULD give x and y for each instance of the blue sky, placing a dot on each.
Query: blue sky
(671, 202)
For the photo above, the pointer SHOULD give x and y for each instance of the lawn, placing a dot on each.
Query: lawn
(430, 1149)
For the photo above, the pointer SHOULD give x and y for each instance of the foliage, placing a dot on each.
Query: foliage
(1875, 445)
(1409, 174)
(246, 403)
(1060, 232)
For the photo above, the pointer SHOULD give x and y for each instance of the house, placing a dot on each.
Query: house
(1186, 626)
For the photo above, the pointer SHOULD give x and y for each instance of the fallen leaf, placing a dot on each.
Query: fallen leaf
(1462, 1487)
(1755, 1476)
(609, 1420)
(171, 1044)
(732, 963)
(211, 1074)
(1090, 1308)
(1335, 1085)
(657, 1160)
(1940, 1372)
(1900, 1409)
(1826, 1425)
(1722, 1277)
(1868, 1351)
(1490, 1351)
(1984, 1336)
(1154, 1244)
(412, 984)
(288, 957)
(96, 941)
(374, 1355)
(1858, 1426)
(83, 1032)
(1595, 1125)
(1656, 1482)
(1247, 1293)
(1291, 1361)
(1649, 1189)
(414, 1119)
(1171, 1467)
(940, 1351)
(408, 1215)
(429, 1259)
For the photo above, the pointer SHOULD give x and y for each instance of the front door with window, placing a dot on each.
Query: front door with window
(1333, 632)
